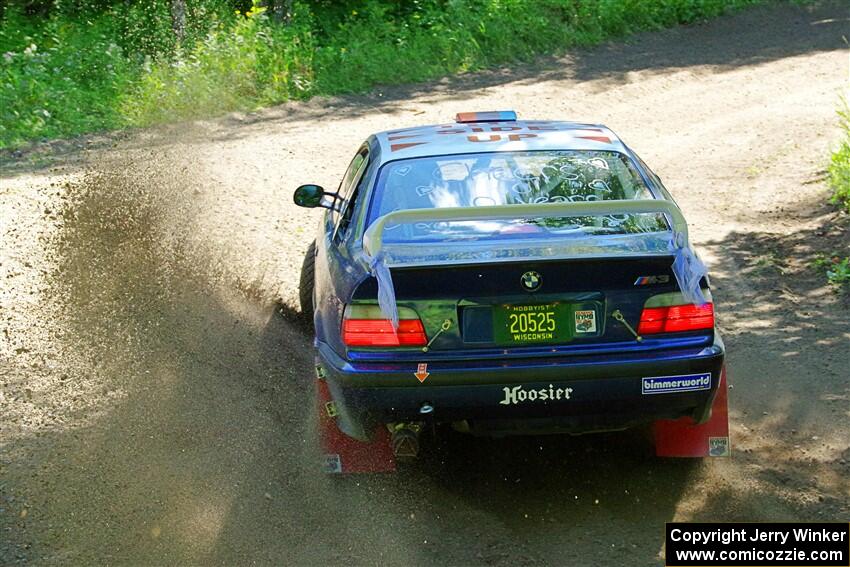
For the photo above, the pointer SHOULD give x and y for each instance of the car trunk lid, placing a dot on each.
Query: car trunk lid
(512, 306)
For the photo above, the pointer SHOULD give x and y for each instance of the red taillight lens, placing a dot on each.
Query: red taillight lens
(689, 318)
(380, 333)
(652, 320)
(676, 319)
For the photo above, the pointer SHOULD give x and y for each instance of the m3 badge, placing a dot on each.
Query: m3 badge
(652, 280)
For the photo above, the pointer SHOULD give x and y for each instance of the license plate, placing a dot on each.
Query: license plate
(531, 324)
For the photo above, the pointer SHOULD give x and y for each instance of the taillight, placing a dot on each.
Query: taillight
(365, 326)
(676, 319)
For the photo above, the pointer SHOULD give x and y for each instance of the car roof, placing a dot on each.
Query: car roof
(471, 136)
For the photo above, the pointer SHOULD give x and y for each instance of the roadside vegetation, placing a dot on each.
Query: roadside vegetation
(836, 268)
(74, 66)
(839, 167)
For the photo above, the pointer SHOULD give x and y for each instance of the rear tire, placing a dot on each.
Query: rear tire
(306, 283)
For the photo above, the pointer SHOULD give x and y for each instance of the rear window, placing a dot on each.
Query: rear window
(489, 179)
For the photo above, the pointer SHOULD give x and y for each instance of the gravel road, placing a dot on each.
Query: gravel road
(155, 378)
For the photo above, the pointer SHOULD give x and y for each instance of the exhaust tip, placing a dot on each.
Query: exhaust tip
(426, 408)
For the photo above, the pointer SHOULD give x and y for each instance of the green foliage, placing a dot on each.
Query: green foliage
(839, 167)
(105, 64)
(236, 67)
(837, 269)
(62, 79)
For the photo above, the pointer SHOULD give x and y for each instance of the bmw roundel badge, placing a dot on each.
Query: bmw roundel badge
(531, 281)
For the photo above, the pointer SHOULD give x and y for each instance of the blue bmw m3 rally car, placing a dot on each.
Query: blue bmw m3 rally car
(507, 277)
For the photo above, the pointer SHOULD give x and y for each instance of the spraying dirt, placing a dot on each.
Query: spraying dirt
(155, 375)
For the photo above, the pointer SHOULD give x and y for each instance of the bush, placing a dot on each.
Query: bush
(84, 65)
(236, 67)
(839, 167)
(63, 79)
(837, 269)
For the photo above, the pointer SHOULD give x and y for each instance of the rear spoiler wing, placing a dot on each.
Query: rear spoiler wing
(688, 269)
(373, 238)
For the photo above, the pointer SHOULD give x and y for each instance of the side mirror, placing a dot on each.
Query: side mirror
(309, 196)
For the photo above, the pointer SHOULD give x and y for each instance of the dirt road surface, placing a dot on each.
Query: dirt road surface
(155, 380)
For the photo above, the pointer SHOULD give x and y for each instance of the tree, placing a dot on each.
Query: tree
(278, 10)
(178, 19)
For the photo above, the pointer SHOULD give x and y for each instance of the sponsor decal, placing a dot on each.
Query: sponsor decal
(603, 139)
(650, 280)
(672, 384)
(586, 321)
(333, 464)
(330, 409)
(481, 132)
(498, 137)
(518, 394)
(718, 446)
(397, 147)
(422, 371)
(531, 281)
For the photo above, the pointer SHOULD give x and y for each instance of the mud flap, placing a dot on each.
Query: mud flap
(683, 438)
(344, 454)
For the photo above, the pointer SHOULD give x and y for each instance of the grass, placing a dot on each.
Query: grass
(839, 167)
(62, 80)
(78, 72)
(836, 269)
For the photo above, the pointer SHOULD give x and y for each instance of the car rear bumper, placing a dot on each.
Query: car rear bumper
(575, 394)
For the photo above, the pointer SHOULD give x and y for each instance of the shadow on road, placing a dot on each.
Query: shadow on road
(193, 441)
(755, 36)
(204, 449)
